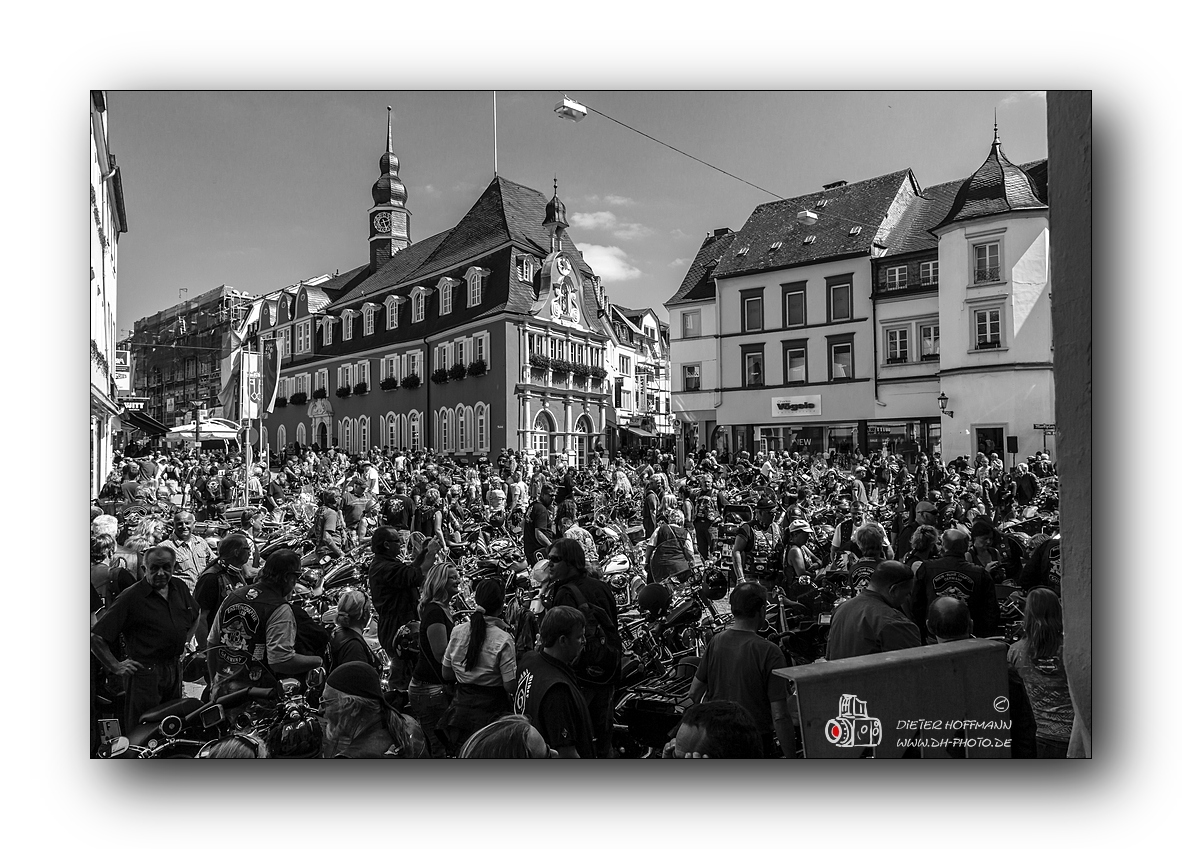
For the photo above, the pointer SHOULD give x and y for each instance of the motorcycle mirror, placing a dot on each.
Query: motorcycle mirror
(290, 686)
(316, 678)
(171, 726)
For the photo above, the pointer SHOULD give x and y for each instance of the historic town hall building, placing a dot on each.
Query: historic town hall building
(487, 336)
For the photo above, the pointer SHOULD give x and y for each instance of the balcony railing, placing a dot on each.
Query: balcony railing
(547, 377)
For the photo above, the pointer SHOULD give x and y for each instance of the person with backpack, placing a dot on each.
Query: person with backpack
(670, 549)
(598, 665)
(707, 516)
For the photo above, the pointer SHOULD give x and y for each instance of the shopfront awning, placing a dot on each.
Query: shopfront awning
(643, 434)
(135, 420)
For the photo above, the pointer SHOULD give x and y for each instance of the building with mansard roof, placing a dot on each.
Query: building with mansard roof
(490, 335)
(841, 320)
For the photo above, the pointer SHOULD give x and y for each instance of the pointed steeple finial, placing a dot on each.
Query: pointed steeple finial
(995, 138)
(555, 185)
(389, 129)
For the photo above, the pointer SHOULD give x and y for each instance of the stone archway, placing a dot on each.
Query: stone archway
(320, 412)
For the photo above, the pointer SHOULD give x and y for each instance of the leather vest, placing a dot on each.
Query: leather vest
(538, 675)
(242, 637)
(763, 543)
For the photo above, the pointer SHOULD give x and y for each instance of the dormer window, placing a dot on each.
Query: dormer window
(392, 304)
(821, 204)
(525, 268)
(367, 319)
(776, 246)
(742, 251)
(475, 278)
(446, 286)
(418, 304)
(326, 327)
(896, 278)
(856, 229)
(347, 324)
(809, 239)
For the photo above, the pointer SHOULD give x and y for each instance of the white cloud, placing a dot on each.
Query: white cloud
(593, 220)
(1019, 96)
(679, 234)
(618, 200)
(629, 230)
(680, 262)
(609, 262)
(605, 220)
(430, 191)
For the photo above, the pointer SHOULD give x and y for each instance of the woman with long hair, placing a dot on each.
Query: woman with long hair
(429, 698)
(510, 736)
(359, 720)
(1038, 658)
(348, 644)
(481, 659)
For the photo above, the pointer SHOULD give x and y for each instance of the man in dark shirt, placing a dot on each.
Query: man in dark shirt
(394, 589)
(875, 621)
(738, 666)
(926, 513)
(155, 617)
(538, 532)
(547, 691)
(233, 567)
(953, 575)
(399, 512)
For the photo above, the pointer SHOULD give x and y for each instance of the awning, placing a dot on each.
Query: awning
(635, 431)
(135, 420)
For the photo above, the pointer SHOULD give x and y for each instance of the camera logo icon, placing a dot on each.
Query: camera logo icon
(853, 726)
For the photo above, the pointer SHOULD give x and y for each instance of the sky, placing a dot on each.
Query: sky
(258, 190)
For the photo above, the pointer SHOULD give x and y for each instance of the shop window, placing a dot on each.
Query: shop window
(752, 312)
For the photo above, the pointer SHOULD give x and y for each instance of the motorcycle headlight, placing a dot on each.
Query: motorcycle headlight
(618, 582)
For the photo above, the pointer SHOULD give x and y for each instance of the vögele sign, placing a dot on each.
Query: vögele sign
(797, 405)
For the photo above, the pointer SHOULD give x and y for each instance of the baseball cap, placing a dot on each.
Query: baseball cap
(799, 525)
(925, 507)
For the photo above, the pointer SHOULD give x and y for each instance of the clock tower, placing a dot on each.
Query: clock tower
(389, 219)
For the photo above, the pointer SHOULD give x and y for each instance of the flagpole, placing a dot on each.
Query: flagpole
(244, 422)
(494, 133)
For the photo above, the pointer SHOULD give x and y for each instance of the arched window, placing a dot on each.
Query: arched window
(481, 415)
(451, 429)
(301, 434)
(414, 425)
(401, 433)
(462, 430)
(583, 440)
(347, 435)
(281, 440)
(363, 434)
(390, 431)
(469, 429)
(543, 435)
(263, 438)
(444, 431)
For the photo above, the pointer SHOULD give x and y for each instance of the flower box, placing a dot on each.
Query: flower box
(411, 381)
(477, 368)
(539, 361)
(298, 398)
(322, 392)
(280, 401)
(389, 383)
(361, 388)
(439, 375)
(457, 372)
(344, 391)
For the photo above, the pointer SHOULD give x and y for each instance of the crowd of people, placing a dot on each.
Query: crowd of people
(923, 545)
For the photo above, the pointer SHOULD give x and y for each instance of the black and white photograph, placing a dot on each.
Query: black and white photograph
(534, 424)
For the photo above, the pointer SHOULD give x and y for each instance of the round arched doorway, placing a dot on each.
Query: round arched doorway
(322, 436)
(583, 435)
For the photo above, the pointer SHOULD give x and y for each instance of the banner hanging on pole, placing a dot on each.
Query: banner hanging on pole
(270, 370)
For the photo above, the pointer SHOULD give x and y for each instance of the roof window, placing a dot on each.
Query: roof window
(821, 204)
(808, 240)
(856, 229)
(742, 251)
(776, 246)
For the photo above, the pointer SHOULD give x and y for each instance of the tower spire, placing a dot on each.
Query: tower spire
(389, 219)
(555, 221)
(389, 129)
(995, 138)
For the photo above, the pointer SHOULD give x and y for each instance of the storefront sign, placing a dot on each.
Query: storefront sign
(1044, 427)
(799, 405)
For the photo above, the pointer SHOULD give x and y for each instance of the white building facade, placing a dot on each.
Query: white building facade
(108, 221)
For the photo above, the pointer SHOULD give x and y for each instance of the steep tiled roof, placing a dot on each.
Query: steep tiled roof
(997, 187)
(847, 206)
(923, 213)
(398, 268)
(318, 299)
(506, 211)
(698, 283)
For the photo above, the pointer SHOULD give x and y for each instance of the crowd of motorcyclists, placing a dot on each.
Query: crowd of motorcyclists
(407, 604)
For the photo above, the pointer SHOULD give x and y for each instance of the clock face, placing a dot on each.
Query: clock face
(562, 265)
(381, 222)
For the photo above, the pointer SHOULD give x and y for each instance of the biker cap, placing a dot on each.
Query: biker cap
(798, 525)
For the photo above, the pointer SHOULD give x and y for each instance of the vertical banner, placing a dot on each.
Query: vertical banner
(252, 386)
(270, 369)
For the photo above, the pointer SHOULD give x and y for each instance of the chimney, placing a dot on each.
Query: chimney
(835, 185)
(721, 231)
